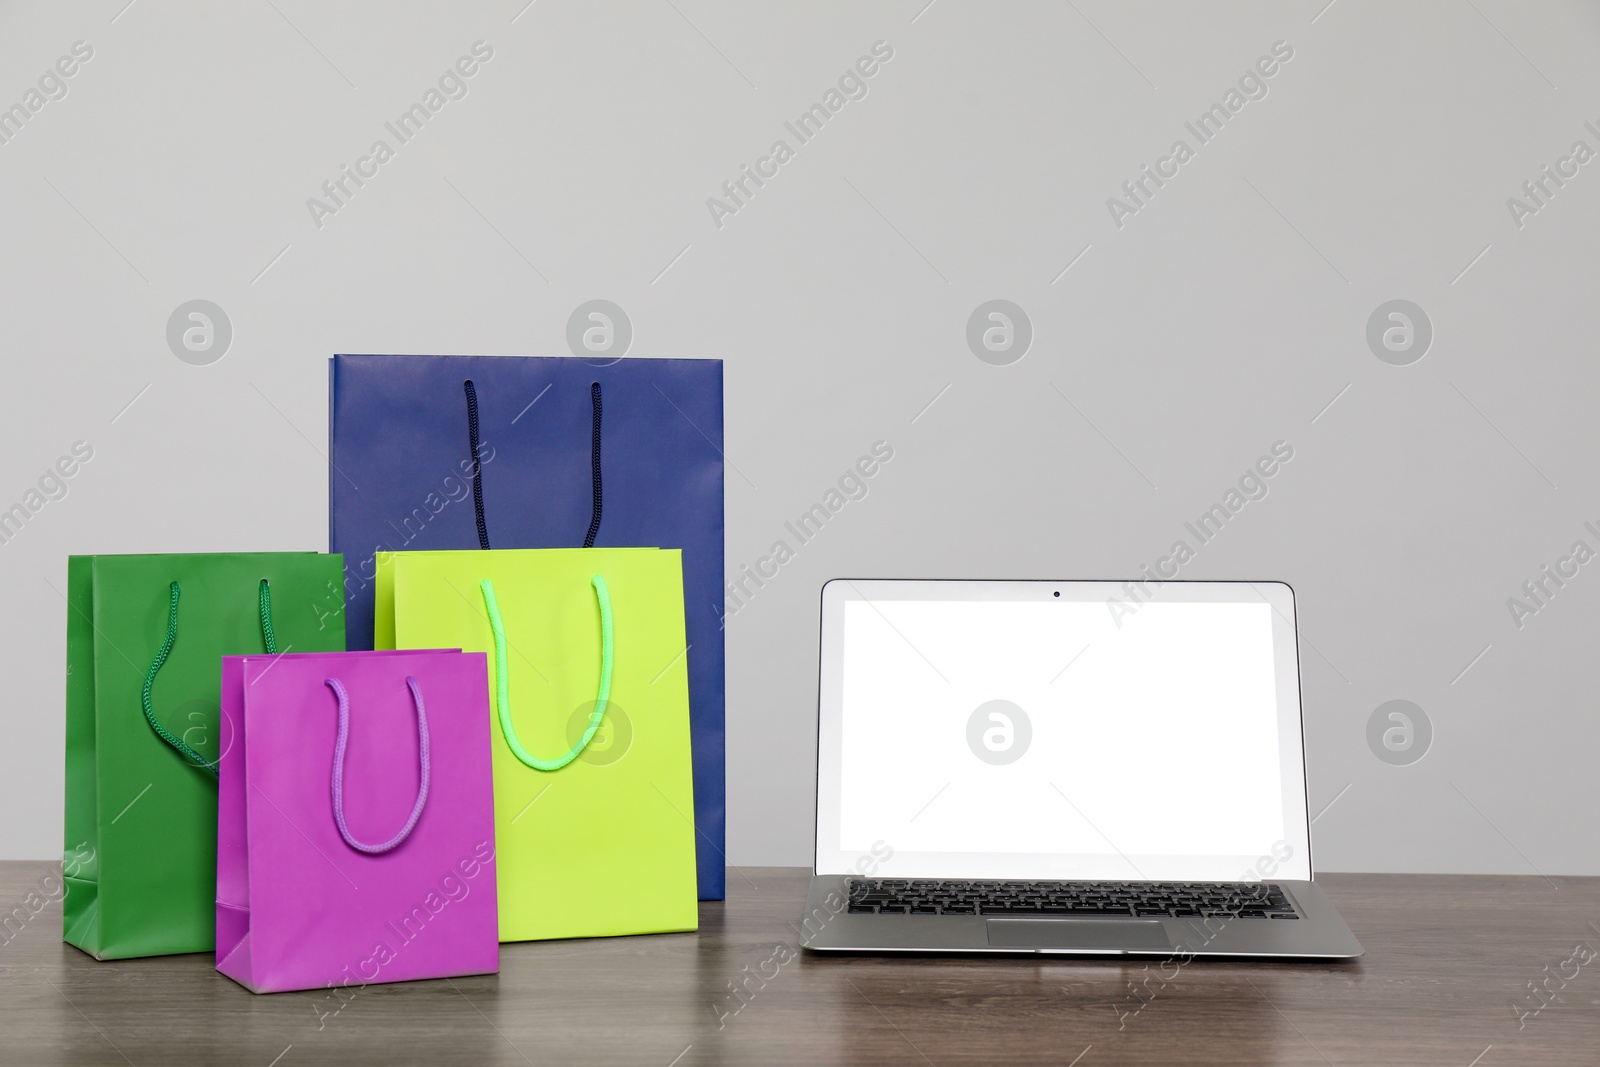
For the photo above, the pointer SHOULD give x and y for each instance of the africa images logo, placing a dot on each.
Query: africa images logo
(999, 732)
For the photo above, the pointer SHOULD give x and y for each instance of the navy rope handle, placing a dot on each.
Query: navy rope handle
(338, 769)
(477, 467)
(594, 465)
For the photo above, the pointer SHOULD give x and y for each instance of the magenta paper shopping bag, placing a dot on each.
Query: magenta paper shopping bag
(355, 823)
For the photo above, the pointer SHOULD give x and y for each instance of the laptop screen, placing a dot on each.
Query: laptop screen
(1061, 730)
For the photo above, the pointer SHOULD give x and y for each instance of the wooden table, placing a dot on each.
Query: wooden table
(1445, 981)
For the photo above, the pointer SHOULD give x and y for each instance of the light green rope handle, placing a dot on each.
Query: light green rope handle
(502, 688)
(183, 747)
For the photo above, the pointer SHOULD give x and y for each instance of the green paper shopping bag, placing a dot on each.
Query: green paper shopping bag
(145, 640)
(589, 719)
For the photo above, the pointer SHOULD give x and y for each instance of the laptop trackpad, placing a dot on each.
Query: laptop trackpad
(1088, 935)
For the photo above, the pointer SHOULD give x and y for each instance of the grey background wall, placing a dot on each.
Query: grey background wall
(1174, 340)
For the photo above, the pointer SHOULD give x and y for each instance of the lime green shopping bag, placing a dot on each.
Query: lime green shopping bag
(145, 639)
(588, 686)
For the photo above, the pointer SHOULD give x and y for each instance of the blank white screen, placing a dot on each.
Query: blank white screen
(1159, 739)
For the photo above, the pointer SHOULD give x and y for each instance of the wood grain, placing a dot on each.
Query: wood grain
(1448, 960)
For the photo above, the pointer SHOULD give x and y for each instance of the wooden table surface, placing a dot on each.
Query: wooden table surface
(1446, 980)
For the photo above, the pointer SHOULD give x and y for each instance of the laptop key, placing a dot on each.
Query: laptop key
(967, 897)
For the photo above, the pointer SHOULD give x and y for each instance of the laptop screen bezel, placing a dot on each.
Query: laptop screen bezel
(1289, 860)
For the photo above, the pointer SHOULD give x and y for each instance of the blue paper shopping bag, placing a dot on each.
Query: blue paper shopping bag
(569, 453)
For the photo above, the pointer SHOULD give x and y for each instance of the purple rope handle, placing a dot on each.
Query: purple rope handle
(338, 769)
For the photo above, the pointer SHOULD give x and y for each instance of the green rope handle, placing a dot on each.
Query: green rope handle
(265, 598)
(179, 744)
(502, 687)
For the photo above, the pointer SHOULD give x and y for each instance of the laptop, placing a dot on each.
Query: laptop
(1076, 768)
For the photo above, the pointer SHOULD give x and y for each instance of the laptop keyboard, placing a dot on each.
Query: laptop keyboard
(1233, 900)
